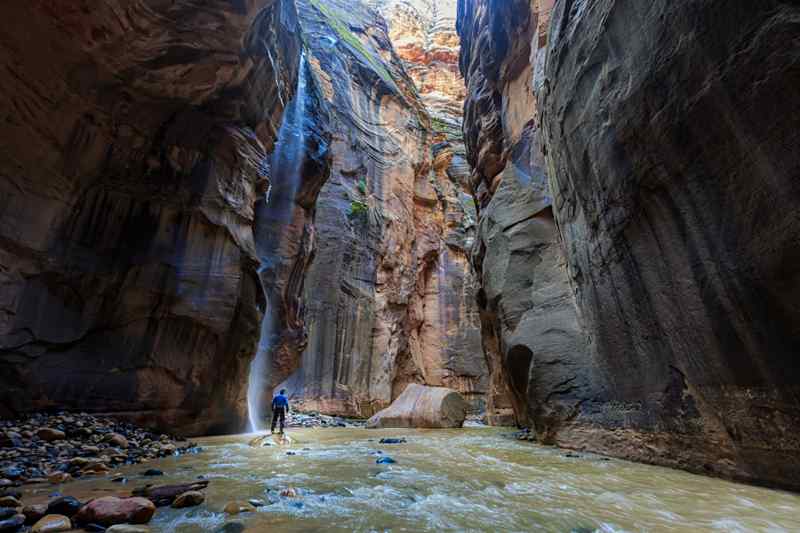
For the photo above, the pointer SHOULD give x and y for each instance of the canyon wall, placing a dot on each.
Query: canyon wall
(666, 136)
(134, 139)
(389, 297)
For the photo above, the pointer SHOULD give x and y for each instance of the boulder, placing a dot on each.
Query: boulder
(166, 494)
(52, 523)
(111, 510)
(423, 407)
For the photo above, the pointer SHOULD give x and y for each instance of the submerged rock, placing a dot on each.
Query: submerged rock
(153, 472)
(189, 499)
(128, 528)
(423, 407)
(66, 505)
(385, 460)
(390, 440)
(236, 507)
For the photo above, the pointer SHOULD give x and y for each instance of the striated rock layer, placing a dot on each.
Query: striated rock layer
(388, 299)
(134, 139)
(423, 407)
(669, 134)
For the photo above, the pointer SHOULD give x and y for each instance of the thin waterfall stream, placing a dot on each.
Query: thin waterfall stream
(273, 213)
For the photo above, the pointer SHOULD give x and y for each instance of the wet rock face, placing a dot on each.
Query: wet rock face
(671, 133)
(388, 297)
(129, 172)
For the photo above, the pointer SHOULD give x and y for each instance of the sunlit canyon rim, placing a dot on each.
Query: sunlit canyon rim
(580, 215)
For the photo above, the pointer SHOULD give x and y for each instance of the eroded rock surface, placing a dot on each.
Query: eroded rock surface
(668, 130)
(389, 297)
(134, 135)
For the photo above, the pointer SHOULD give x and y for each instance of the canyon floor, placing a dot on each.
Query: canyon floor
(471, 479)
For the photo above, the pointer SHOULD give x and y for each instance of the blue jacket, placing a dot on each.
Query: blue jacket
(280, 401)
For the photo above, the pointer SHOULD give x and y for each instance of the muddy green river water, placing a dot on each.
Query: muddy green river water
(445, 480)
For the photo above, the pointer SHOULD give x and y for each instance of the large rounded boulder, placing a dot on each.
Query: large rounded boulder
(423, 407)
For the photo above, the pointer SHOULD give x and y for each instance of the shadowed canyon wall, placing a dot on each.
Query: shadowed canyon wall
(134, 140)
(389, 296)
(669, 131)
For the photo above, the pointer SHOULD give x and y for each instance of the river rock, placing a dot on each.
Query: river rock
(52, 523)
(115, 439)
(128, 528)
(34, 513)
(423, 407)
(385, 460)
(289, 492)
(236, 507)
(65, 505)
(165, 494)
(152, 472)
(8, 512)
(57, 478)
(50, 434)
(189, 499)
(9, 501)
(12, 524)
(12, 472)
(111, 510)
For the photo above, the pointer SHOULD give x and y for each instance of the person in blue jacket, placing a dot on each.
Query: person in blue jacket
(280, 406)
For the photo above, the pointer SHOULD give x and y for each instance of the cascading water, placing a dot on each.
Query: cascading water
(273, 213)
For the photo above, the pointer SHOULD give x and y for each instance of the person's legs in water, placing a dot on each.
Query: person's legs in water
(283, 419)
(274, 419)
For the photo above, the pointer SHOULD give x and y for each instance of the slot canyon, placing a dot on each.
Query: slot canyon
(515, 264)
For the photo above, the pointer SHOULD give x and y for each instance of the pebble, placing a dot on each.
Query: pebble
(52, 523)
(152, 472)
(389, 440)
(385, 460)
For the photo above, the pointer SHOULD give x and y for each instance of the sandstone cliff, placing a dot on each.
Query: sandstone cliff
(134, 139)
(389, 295)
(670, 169)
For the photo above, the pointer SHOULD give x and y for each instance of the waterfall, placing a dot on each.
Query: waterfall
(273, 214)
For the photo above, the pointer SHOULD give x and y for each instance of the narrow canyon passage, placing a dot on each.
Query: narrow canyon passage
(549, 246)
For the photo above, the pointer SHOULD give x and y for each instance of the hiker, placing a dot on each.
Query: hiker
(280, 406)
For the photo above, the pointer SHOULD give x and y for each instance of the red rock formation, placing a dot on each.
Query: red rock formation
(389, 296)
(133, 139)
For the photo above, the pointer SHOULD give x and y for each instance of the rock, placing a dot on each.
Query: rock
(52, 523)
(256, 503)
(9, 501)
(33, 513)
(115, 439)
(64, 505)
(206, 271)
(236, 507)
(12, 472)
(5, 483)
(390, 440)
(94, 527)
(385, 460)
(163, 495)
(231, 527)
(128, 528)
(110, 510)
(152, 472)
(57, 478)
(189, 499)
(289, 492)
(12, 524)
(8, 512)
(10, 439)
(423, 407)
(50, 434)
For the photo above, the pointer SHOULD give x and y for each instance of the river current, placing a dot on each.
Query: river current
(472, 479)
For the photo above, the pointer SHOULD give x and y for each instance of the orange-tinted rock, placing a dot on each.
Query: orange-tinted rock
(423, 407)
(110, 510)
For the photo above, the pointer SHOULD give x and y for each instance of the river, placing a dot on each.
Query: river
(472, 479)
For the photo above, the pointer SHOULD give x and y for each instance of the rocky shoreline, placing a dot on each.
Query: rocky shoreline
(57, 448)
